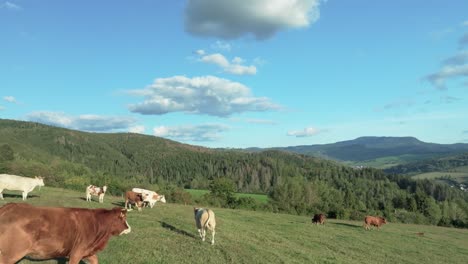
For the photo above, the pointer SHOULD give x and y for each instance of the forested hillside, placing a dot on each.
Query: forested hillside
(295, 183)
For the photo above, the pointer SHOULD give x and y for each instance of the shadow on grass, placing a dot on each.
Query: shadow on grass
(10, 195)
(175, 229)
(345, 224)
(121, 204)
(59, 260)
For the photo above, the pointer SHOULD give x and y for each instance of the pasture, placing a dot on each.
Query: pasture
(459, 177)
(167, 234)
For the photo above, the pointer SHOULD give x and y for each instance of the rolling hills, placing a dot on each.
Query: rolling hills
(379, 152)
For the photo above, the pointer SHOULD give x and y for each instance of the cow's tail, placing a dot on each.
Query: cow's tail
(207, 220)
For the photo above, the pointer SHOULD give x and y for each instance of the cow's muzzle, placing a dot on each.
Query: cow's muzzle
(126, 231)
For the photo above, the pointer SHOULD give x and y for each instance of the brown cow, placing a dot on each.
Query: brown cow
(318, 219)
(54, 232)
(374, 221)
(133, 198)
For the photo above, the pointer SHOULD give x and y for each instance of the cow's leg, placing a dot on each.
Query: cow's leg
(25, 194)
(212, 236)
(200, 233)
(203, 234)
(75, 258)
(93, 259)
(1, 194)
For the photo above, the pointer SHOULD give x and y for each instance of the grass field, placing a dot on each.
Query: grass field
(167, 234)
(262, 198)
(460, 177)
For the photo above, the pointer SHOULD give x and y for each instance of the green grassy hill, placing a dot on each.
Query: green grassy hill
(167, 234)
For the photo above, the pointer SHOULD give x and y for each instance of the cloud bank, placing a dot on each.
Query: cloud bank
(306, 132)
(207, 95)
(93, 123)
(229, 19)
(206, 132)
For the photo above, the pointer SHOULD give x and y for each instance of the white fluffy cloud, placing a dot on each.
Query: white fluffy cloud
(229, 19)
(82, 122)
(199, 95)
(10, 99)
(306, 132)
(206, 132)
(234, 66)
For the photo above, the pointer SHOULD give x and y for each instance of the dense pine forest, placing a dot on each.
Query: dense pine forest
(295, 183)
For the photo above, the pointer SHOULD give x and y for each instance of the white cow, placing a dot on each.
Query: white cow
(150, 197)
(18, 183)
(205, 219)
(96, 191)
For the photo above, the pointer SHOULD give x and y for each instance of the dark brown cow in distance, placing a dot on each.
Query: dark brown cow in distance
(318, 219)
(374, 221)
(54, 232)
(133, 198)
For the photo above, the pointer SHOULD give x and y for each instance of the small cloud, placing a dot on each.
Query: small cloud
(10, 6)
(465, 132)
(229, 19)
(261, 121)
(2, 108)
(306, 132)
(10, 99)
(137, 129)
(206, 132)
(463, 42)
(402, 103)
(93, 123)
(199, 95)
(439, 34)
(465, 23)
(449, 99)
(200, 52)
(234, 66)
(459, 59)
(221, 45)
(447, 72)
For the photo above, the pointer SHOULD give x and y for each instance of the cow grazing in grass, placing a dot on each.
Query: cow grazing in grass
(96, 191)
(205, 219)
(150, 197)
(18, 183)
(133, 198)
(374, 221)
(56, 232)
(318, 219)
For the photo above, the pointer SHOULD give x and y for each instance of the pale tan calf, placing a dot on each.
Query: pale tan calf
(205, 219)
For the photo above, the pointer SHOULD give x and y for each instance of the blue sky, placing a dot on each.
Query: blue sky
(258, 73)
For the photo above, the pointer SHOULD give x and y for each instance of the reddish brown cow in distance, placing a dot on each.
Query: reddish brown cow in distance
(374, 221)
(133, 198)
(318, 219)
(53, 232)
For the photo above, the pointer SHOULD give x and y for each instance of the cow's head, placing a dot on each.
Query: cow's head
(383, 220)
(162, 198)
(104, 188)
(40, 181)
(119, 223)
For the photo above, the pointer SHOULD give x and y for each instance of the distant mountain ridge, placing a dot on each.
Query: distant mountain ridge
(398, 149)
